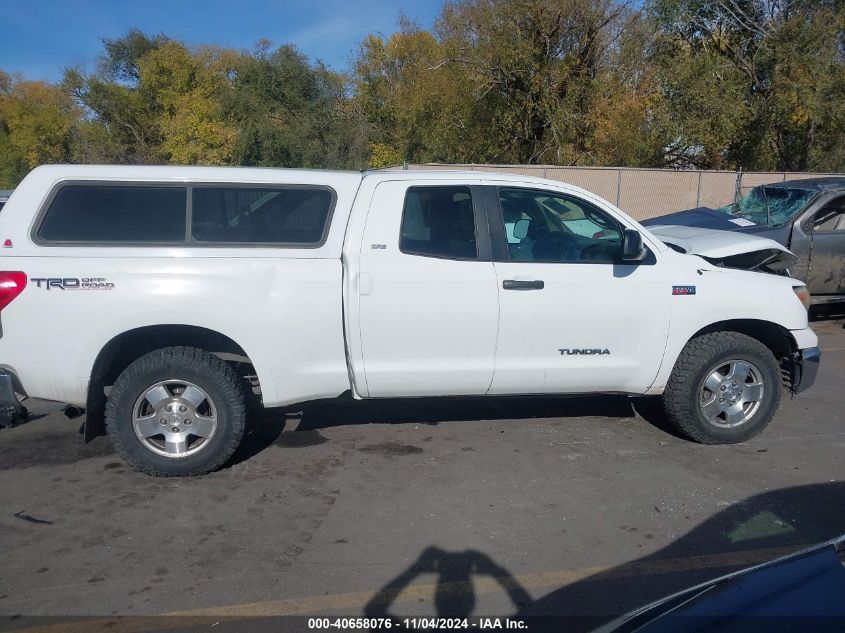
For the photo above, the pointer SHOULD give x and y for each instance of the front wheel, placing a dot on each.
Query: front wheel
(725, 388)
(176, 411)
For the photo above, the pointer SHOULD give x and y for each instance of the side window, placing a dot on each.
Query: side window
(438, 222)
(543, 226)
(115, 213)
(831, 217)
(282, 215)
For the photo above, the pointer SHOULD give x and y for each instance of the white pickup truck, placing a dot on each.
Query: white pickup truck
(137, 292)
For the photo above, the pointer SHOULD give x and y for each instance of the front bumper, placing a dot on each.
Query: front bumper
(804, 368)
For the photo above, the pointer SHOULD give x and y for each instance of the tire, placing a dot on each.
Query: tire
(11, 416)
(192, 397)
(8, 416)
(708, 401)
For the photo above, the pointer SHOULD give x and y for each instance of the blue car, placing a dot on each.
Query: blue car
(800, 593)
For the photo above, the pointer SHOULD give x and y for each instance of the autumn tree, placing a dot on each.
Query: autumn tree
(412, 99)
(188, 89)
(290, 112)
(36, 121)
(756, 84)
(515, 81)
(753, 83)
(153, 99)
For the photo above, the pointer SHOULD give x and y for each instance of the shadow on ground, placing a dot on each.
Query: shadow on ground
(266, 425)
(304, 422)
(757, 529)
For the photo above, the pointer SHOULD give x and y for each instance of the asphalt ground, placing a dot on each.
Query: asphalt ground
(582, 507)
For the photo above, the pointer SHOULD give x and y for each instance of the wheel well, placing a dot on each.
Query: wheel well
(775, 337)
(124, 348)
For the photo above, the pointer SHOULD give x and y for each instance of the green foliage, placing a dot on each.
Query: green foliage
(119, 112)
(290, 113)
(35, 124)
(756, 84)
(187, 89)
(120, 61)
(514, 81)
(382, 155)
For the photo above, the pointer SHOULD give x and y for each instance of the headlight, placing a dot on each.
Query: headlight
(803, 295)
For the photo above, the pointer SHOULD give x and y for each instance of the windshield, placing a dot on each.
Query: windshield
(769, 205)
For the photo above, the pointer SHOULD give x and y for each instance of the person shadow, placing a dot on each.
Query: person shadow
(453, 596)
(755, 530)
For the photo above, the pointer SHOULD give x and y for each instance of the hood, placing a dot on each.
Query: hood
(727, 249)
(801, 592)
(702, 217)
(712, 242)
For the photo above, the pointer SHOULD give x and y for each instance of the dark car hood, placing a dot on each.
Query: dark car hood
(707, 218)
(799, 593)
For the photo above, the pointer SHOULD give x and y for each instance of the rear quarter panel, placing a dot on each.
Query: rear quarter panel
(285, 313)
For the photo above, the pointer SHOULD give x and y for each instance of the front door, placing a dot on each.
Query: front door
(428, 299)
(572, 316)
(827, 249)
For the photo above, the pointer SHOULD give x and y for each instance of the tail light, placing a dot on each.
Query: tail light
(11, 285)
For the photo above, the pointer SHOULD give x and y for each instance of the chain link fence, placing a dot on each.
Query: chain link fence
(647, 193)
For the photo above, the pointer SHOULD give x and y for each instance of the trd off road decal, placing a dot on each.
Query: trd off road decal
(72, 283)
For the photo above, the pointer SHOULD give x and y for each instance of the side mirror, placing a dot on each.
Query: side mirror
(633, 249)
(520, 229)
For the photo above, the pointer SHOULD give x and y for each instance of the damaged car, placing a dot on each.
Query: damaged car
(730, 250)
(802, 222)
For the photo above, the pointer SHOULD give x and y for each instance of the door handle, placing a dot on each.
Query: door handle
(519, 284)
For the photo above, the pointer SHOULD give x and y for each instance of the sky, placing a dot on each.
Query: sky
(40, 38)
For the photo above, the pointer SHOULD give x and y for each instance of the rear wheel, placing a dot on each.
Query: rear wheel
(725, 388)
(176, 411)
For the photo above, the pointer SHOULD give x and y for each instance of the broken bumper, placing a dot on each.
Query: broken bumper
(805, 368)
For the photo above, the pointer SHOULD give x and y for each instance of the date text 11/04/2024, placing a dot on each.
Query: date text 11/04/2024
(418, 623)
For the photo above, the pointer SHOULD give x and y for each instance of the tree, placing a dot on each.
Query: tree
(290, 113)
(152, 99)
(753, 83)
(411, 98)
(122, 116)
(187, 88)
(514, 81)
(36, 120)
(628, 113)
(756, 84)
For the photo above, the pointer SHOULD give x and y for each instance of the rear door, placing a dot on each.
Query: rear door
(573, 316)
(427, 291)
